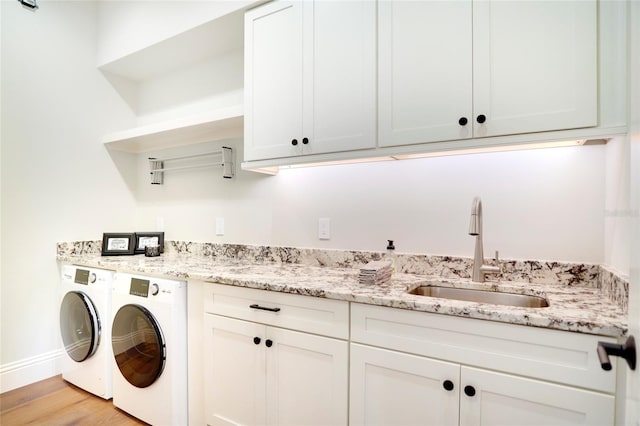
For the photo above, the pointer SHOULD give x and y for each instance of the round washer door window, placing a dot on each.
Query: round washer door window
(138, 345)
(79, 326)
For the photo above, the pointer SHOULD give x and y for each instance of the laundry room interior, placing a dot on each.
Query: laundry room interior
(326, 172)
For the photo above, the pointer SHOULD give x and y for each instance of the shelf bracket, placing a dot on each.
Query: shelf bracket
(224, 158)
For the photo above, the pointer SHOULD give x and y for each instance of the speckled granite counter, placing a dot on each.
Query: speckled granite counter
(573, 307)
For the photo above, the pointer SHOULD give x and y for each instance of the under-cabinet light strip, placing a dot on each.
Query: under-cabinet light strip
(538, 145)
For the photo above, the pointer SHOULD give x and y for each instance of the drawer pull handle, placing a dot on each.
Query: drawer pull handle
(269, 343)
(256, 340)
(256, 306)
(448, 385)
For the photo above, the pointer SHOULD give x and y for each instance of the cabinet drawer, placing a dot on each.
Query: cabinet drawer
(553, 355)
(304, 313)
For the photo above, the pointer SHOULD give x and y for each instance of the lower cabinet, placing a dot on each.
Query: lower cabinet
(282, 359)
(263, 375)
(393, 388)
(490, 398)
(389, 387)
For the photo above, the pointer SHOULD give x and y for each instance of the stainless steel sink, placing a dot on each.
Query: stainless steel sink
(482, 296)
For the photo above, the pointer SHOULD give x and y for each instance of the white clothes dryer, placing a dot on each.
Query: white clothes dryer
(85, 328)
(149, 342)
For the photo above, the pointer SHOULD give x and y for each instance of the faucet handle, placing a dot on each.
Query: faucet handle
(498, 260)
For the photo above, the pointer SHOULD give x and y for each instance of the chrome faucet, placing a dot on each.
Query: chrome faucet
(475, 228)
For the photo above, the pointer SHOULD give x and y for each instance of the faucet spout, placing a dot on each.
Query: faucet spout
(475, 229)
(475, 225)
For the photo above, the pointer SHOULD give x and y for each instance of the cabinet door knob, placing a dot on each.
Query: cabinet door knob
(256, 340)
(463, 121)
(305, 141)
(269, 343)
(448, 385)
(481, 118)
(469, 390)
(294, 142)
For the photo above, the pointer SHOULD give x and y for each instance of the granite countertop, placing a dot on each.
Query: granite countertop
(572, 308)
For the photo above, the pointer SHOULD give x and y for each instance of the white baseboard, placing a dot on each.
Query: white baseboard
(30, 370)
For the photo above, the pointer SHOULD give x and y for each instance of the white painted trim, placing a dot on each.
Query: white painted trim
(29, 370)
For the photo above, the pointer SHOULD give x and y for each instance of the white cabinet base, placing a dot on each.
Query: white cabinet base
(502, 399)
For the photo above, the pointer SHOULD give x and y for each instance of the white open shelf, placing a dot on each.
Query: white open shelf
(213, 125)
(211, 39)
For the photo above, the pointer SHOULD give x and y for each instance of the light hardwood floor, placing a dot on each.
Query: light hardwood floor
(56, 402)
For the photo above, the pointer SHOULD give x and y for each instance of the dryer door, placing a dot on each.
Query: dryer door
(79, 325)
(138, 345)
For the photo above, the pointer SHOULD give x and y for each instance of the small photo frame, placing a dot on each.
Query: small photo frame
(144, 239)
(118, 244)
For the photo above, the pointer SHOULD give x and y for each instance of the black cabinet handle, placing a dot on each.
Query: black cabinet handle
(294, 142)
(256, 340)
(463, 121)
(626, 351)
(269, 343)
(469, 390)
(256, 306)
(481, 118)
(448, 385)
(305, 141)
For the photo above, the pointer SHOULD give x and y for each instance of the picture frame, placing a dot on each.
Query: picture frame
(143, 239)
(118, 243)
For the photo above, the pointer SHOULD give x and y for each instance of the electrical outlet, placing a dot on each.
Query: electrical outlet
(324, 228)
(219, 225)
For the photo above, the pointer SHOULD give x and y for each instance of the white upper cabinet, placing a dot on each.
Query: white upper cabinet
(309, 78)
(425, 72)
(534, 66)
(456, 70)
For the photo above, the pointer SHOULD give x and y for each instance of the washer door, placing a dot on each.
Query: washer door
(138, 345)
(79, 326)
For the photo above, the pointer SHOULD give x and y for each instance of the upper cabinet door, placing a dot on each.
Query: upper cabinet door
(425, 80)
(534, 66)
(341, 77)
(273, 79)
(310, 78)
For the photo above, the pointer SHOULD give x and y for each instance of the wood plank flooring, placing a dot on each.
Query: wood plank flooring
(58, 403)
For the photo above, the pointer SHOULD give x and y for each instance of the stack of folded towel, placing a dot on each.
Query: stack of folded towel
(375, 272)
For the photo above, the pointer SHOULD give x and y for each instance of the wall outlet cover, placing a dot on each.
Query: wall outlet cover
(219, 225)
(324, 228)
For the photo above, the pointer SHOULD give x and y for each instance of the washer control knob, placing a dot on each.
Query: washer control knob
(155, 289)
(92, 277)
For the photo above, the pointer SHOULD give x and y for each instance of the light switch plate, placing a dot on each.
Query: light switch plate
(219, 225)
(324, 228)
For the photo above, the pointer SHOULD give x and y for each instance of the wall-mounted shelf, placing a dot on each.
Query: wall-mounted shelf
(182, 50)
(210, 126)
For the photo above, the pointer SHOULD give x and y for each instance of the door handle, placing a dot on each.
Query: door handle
(626, 351)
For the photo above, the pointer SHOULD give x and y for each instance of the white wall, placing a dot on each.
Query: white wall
(617, 220)
(58, 182)
(541, 204)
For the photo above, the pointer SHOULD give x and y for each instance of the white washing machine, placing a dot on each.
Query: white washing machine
(149, 341)
(85, 328)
